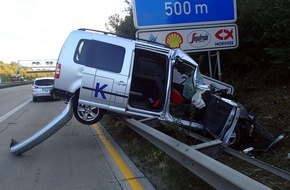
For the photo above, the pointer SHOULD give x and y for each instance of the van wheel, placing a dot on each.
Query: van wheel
(235, 138)
(87, 114)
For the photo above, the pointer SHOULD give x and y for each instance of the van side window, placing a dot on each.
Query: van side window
(100, 55)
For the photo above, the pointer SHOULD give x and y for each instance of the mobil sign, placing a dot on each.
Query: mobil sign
(195, 38)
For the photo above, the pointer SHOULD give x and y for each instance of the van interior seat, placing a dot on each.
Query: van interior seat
(148, 80)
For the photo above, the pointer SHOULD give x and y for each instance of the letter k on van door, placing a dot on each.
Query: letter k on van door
(100, 90)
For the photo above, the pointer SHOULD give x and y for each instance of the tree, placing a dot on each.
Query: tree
(114, 22)
(264, 27)
(122, 26)
(262, 56)
(8, 70)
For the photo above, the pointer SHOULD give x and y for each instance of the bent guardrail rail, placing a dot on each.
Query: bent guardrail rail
(44, 133)
(211, 171)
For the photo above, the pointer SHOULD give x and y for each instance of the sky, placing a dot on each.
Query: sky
(36, 29)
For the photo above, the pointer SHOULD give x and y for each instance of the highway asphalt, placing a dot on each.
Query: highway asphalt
(76, 157)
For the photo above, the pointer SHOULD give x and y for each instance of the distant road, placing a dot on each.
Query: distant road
(13, 97)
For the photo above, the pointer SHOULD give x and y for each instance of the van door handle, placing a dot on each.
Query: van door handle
(121, 83)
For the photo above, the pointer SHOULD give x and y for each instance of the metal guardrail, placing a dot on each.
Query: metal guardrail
(208, 169)
(45, 132)
(274, 170)
(10, 84)
(270, 168)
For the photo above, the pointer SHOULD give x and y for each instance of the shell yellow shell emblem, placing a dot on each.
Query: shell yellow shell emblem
(174, 40)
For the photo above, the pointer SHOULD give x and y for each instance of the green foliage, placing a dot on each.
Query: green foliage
(122, 26)
(125, 28)
(8, 70)
(264, 29)
(263, 53)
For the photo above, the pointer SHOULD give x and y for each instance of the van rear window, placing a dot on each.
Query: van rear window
(100, 55)
(44, 82)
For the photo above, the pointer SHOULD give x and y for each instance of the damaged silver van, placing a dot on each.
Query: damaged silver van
(132, 77)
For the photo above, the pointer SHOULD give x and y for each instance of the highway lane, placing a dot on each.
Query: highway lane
(14, 96)
(73, 158)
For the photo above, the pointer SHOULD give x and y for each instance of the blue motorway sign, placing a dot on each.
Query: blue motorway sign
(168, 13)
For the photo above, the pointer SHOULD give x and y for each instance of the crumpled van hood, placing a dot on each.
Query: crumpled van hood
(181, 55)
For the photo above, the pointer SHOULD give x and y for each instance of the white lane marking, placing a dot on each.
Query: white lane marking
(2, 118)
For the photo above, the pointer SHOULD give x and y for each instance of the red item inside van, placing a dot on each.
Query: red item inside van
(176, 97)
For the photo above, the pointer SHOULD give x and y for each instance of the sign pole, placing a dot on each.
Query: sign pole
(209, 64)
(219, 65)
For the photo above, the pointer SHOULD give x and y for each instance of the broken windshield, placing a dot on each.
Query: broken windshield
(183, 57)
(186, 65)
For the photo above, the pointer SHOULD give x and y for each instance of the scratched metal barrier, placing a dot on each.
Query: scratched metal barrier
(205, 167)
(44, 133)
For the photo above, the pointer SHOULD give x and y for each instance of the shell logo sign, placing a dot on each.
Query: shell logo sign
(174, 40)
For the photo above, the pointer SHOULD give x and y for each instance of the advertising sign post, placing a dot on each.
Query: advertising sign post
(209, 24)
(194, 39)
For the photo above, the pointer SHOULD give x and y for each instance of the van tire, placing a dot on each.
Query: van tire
(87, 115)
(236, 138)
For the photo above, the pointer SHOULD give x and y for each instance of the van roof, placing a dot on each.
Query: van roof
(126, 37)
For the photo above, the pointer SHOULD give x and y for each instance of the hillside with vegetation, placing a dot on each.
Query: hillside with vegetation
(11, 69)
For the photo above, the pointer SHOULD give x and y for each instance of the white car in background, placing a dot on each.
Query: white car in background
(41, 88)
